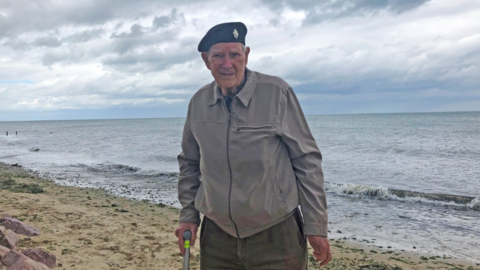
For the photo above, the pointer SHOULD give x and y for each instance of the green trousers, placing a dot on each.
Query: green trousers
(281, 247)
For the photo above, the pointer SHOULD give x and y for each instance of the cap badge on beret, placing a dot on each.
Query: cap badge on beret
(235, 33)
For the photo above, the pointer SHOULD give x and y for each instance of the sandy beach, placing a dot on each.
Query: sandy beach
(91, 229)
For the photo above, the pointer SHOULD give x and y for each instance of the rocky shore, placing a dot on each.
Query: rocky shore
(91, 229)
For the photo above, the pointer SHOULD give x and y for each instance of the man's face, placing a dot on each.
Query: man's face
(227, 62)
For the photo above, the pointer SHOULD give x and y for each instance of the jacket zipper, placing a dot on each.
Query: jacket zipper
(230, 170)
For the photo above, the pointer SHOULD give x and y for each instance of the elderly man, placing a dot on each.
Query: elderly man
(248, 162)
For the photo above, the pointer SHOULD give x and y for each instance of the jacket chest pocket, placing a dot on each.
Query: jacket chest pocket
(254, 128)
(253, 143)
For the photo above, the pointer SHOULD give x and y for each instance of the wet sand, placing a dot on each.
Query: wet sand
(90, 229)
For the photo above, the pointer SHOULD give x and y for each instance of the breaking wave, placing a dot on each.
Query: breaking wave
(381, 192)
(120, 169)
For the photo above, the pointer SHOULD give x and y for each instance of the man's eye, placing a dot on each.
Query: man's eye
(217, 55)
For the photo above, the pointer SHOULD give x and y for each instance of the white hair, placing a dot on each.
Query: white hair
(244, 49)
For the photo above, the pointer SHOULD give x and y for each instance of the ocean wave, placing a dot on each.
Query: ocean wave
(125, 170)
(109, 168)
(153, 173)
(474, 204)
(381, 192)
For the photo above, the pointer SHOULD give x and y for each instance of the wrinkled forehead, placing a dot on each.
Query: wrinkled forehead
(226, 47)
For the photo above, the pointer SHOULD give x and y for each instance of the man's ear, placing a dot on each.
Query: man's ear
(205, 59)
(246, 55)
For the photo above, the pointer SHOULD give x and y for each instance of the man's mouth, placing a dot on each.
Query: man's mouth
(227, 74)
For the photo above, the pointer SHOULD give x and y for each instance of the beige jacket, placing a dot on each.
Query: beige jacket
(247, 170)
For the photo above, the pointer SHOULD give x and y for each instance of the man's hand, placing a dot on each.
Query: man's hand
(321, 248)
(182, 227)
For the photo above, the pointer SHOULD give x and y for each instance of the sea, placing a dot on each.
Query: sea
(407, 181)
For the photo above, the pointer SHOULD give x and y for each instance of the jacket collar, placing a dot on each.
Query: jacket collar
(245, 95)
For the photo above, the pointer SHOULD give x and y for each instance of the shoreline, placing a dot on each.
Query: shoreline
(89, 228)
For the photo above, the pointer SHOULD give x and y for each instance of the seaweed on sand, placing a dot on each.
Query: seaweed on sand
(13, 186)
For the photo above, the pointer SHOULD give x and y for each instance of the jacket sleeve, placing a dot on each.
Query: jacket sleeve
(306, 161)
(189, 177)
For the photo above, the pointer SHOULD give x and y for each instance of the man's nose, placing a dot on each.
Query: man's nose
(227, 63)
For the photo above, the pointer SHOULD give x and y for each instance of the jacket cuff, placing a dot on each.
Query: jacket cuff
(315, 229)
(188, 215)
(190, 221)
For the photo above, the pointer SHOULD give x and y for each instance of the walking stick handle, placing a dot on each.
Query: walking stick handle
(187, 235)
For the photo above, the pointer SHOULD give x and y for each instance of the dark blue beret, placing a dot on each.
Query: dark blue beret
(223, 33)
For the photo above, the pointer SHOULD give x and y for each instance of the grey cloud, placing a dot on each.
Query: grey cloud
(165, 21)
(162, 21)
(125, 42)
(72, 56)
(51, 58)
(406, 69)
(136, 30)
(17, 44)
(137, 37)
(47, 42)
(84, 36)
(52, 40)
(154, 60)
(56, 56)
(80, 49)
(274, 22)
(348, 6)
(324, 10)
(25, 15)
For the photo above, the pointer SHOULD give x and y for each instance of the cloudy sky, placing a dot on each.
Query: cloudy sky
(137, 58)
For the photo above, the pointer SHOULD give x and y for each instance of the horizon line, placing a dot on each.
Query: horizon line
(178, 117)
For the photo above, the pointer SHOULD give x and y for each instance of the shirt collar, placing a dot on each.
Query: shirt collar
(246, 93)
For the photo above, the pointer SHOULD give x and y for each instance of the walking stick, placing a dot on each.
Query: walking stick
(187, 235)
